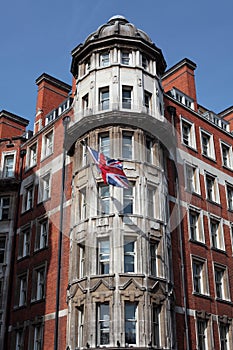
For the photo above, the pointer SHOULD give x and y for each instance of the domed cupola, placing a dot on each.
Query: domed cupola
(117, 31)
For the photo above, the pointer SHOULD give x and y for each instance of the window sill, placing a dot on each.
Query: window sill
(205, 296)
(38, 250)
(46, 157)
(224, 301)
(227, 167)
(215, 203)
(189, 147)
(36, 301)
(27, 169)
(203, 244)
(219, 250)
(209, 158)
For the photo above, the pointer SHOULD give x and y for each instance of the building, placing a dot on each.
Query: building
(149, 266)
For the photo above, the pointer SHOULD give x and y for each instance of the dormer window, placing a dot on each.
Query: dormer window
(182, 98)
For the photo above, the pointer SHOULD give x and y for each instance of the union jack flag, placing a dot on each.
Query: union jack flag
(110, 169)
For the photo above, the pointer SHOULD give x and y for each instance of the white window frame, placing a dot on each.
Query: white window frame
(152, 202)
(208, 150)
(205, 344)
(103, 256)
(5, 207)
(200, 276)
(42, 233)
(32, 155)
(47, 144)
(81, 259)
(192, 178)
(229, 196)
(37, 337)
(131, 253)
(126, 57)
(190, 136)
(127, 145)
(224, 339)
(223, 282)
(103, 199)
(28, 197)
(24, 242)
(104, 59)
(227, 159)
(80, 310)
(3, 248)
(5, 170)
(128, 200)
(82, 203)
(196, 228)
(103, 323)
(145, 61)
(39, 283)
(104, 98)
(22, 281)
(104, 144)
(45, 187)
(19, 339)
(212, 194)
(127, 97)
(133, 320)
(156, 325)
(216, 237)
(153, 245)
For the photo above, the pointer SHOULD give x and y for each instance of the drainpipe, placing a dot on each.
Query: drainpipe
(172, 112)
(65, 121)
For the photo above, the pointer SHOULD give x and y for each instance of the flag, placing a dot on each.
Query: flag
(110, 169)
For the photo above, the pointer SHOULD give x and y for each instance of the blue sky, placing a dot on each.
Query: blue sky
(38, 36)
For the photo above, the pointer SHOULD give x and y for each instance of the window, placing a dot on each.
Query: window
(24, 243)
(196, 229)
(85, 102)
(104, 59)
(41, 240)
(151, 200)
(202, 334)
(104, 144)
(153, 258)
(104, 98)
(87, 65)
(4, 208)
(82, 258)
(8, 165)
(104, 199)
(216, 232)
(192, 178)
(226, 155)
(212, 193)
(149, 150)
(200, 278)
(125, 57)
(224, 336)
(147, 100)
(47, 144)
(44, 187)
(19, 340)
(128, 200)
(221, 282)
(229, 189)
(207, 144)
(129, 255)
(156, 309)
(80, 310)
(28, 198)
(127, 144)
(38, 283)
(103, 257)
(145, 62)
(1, 291)
(2, 249)
(82, 204)
(37, 338)
(126, 97)
(188, 133)
(32, 155)
(130, 323)
(103, 324)
(21, 291)
(182, 98)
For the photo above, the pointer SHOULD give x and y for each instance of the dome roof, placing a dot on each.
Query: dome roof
(118, 25)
